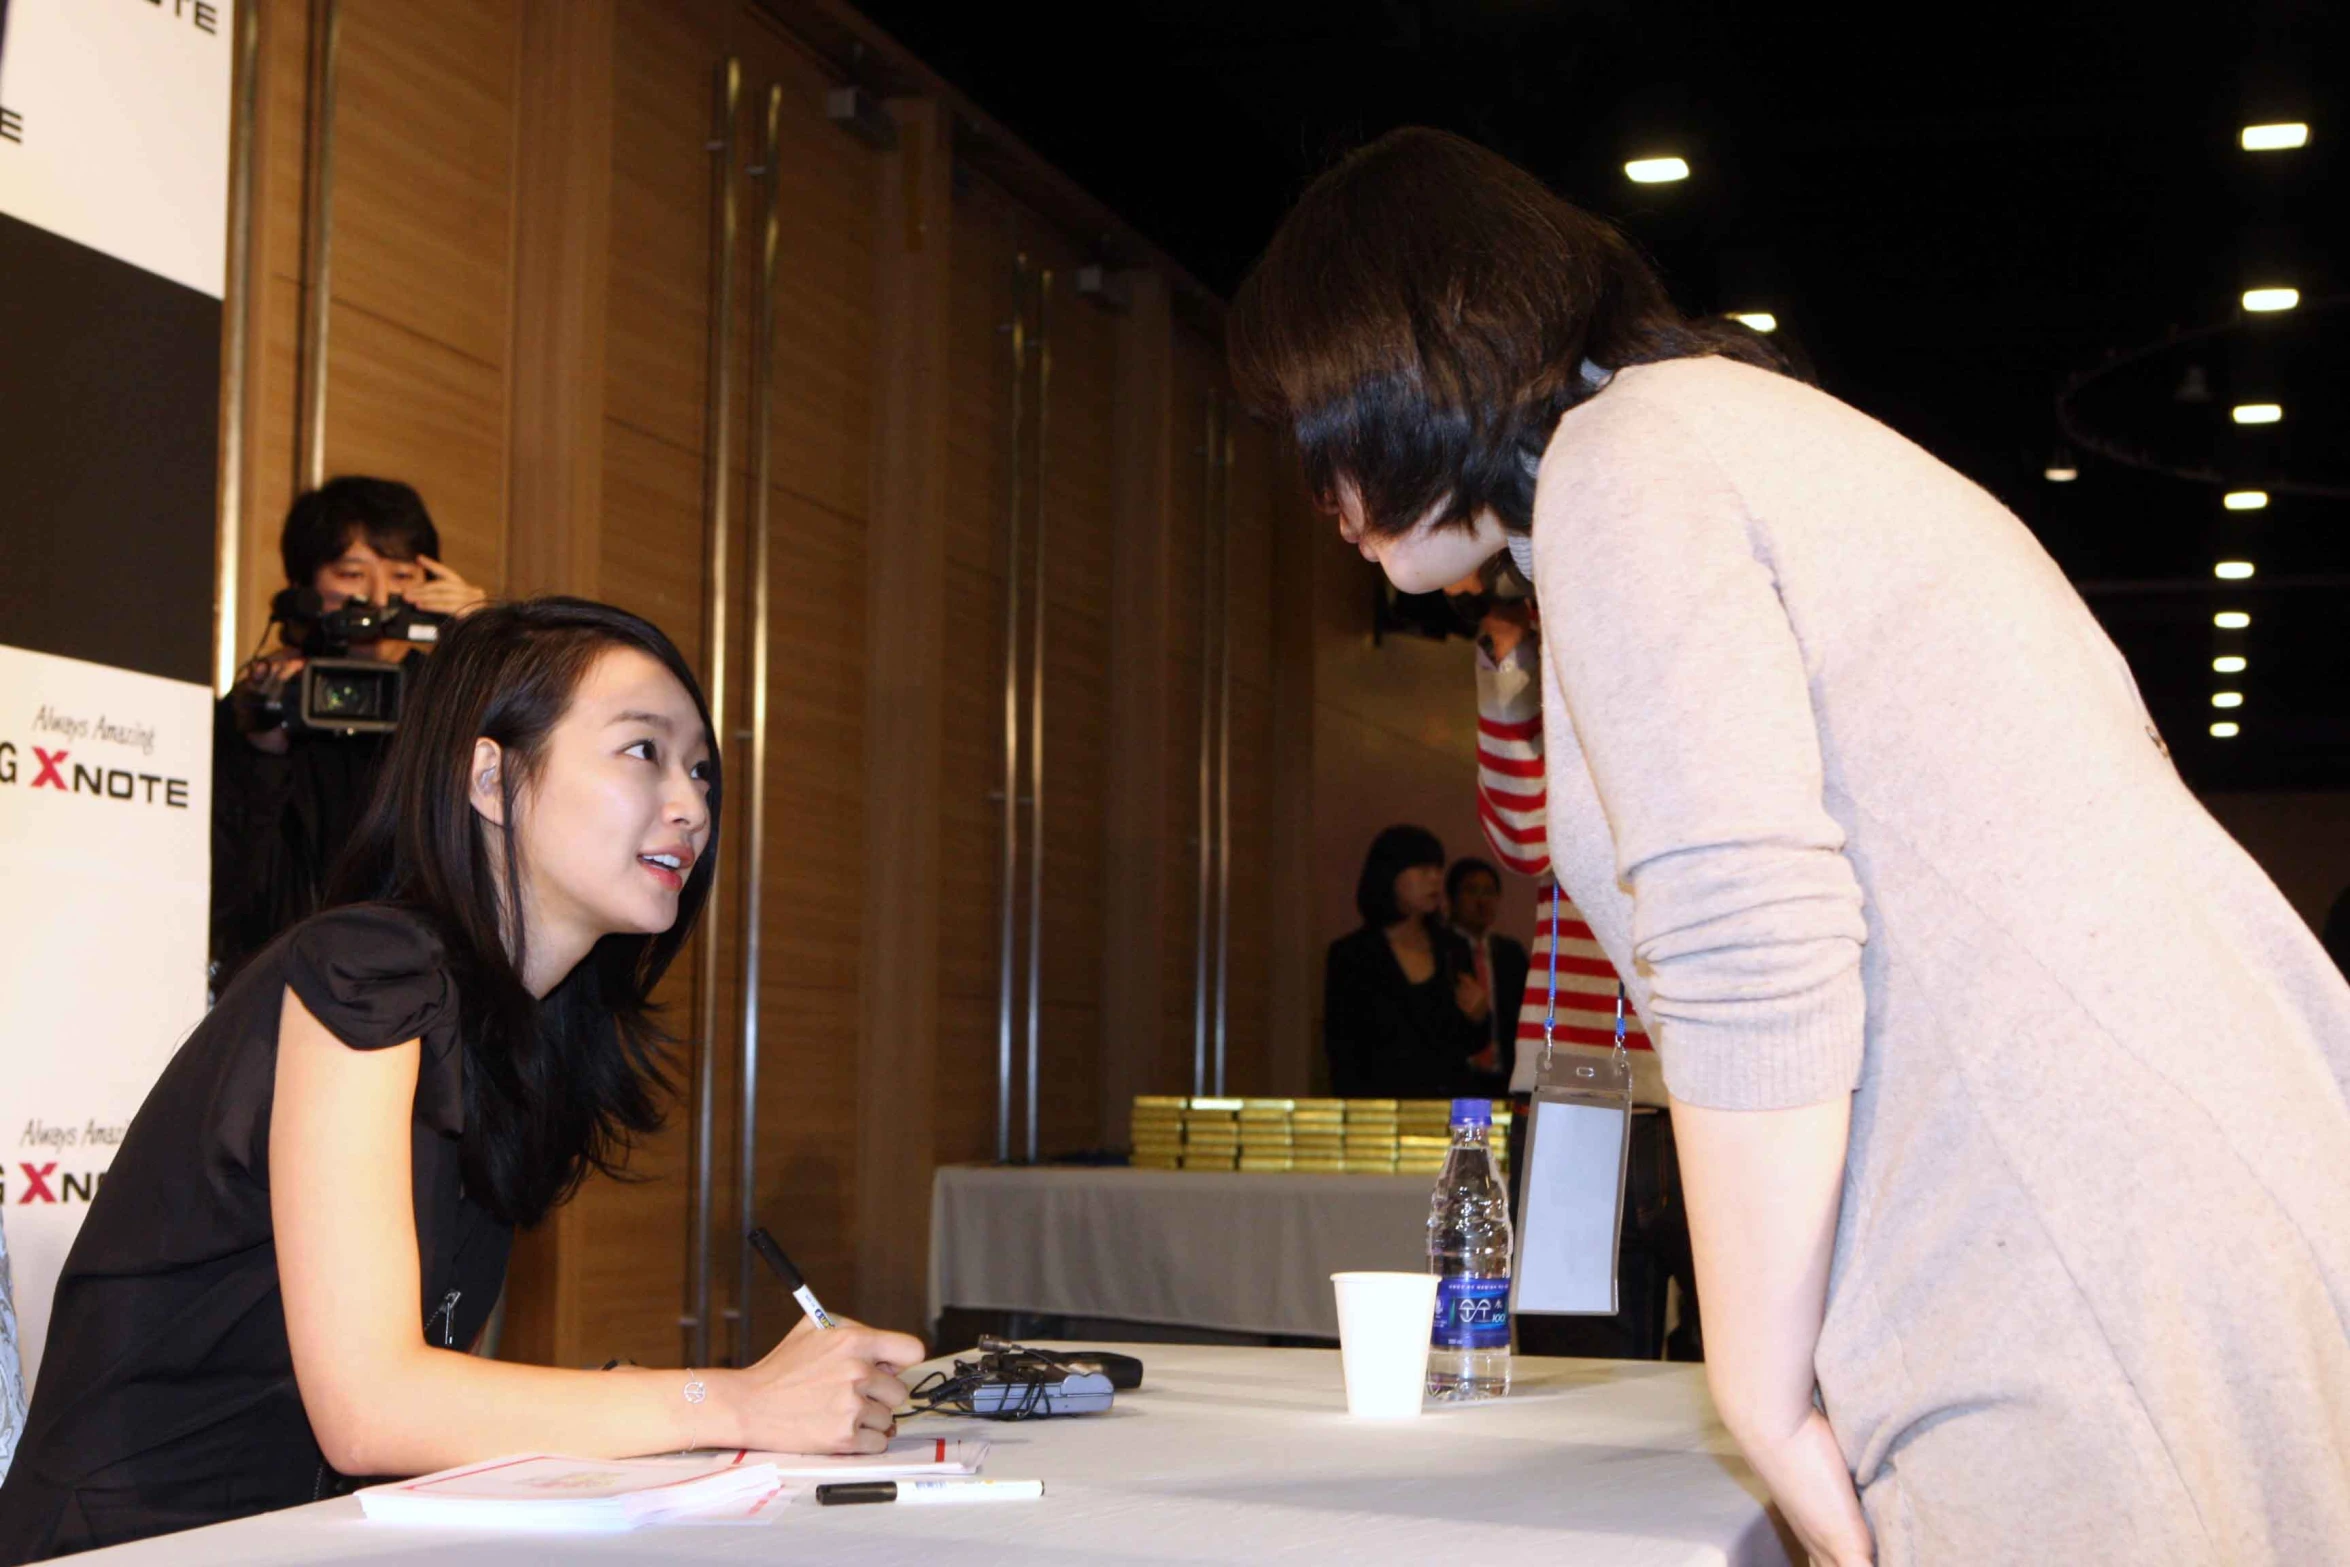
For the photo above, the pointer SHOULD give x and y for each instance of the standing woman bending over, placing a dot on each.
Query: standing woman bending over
(2010, 1095)
(308, 1222)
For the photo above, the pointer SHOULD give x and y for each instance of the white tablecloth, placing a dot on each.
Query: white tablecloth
(1226, 1455)
(1246, 1253)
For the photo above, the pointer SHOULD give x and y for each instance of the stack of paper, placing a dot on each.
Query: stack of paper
(734, 1486)
(541, 1491)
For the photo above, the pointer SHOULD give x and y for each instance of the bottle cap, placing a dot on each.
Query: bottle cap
(1472, 1112)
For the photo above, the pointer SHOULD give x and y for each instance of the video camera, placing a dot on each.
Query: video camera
(337, 694)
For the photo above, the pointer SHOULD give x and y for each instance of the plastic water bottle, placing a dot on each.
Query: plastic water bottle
(1469, 1252)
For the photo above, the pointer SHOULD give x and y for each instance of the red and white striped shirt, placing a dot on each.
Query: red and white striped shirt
(1511, 794)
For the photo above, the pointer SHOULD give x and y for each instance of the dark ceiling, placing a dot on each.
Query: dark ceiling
(1954, 216)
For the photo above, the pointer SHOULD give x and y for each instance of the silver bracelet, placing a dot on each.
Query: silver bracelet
(695, 1389)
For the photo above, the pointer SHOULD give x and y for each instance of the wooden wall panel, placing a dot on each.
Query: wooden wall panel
(824, 290)
(652, 552)
(979, 363)
(424, 169)
(970, 865)
(1248, 1064)
(807, 1164)
(1178, 944)
(815, 739)
(654, 358)
(407, 407)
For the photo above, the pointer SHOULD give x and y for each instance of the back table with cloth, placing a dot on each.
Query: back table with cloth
(1851, 786)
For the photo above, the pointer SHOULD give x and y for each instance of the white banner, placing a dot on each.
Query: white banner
(114, 128)
(105, 830)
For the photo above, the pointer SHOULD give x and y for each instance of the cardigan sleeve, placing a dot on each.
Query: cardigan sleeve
(1691, 705)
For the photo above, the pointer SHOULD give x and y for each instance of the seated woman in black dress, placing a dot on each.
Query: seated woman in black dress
(308, 1221)
(1403, 1016)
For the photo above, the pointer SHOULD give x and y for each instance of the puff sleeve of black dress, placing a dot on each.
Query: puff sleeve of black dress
(166, 1397)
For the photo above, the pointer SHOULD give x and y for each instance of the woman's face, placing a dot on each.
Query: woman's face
(1424, 558)
(1419, 891)
(619, 810)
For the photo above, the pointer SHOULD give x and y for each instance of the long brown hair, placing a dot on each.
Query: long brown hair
(1422, 317)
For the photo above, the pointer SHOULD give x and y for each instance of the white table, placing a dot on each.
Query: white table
(1246, 1253)
(1224, 1456)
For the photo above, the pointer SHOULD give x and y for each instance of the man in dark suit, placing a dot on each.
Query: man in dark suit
(1472, 892)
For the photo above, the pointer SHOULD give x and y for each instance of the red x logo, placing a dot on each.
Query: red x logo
(36, 1179)
(49, 773)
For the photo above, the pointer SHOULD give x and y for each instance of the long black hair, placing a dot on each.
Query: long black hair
(1422, 317)
(1394, 851)
(558, 1086)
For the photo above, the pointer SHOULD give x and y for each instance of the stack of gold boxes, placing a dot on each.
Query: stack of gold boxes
(1265, 1137)
(1317, 1135)
(1211, 1134)
(1158, 1131)
(1423, 1134)
(1370, 1136)
(1326, 1136)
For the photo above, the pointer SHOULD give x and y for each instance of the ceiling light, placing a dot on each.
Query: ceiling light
(2232, 570)
(2245, 500)
(2227, 699)
(1760, 320)
(2061, 473)
(2223, 730)
(2231, 620)
(2265, 299)
(2258, 413)
(1655, 171)
(2228, 664)
(2275, 138)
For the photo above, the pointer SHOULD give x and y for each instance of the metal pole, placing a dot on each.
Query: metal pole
(318, 227)
(1044, 382)
(1206, 840)
(1223, 495)
(1011, 826)
(755, 871)
(228, 555)
(717, 423)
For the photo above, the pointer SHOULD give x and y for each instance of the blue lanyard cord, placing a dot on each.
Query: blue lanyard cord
(1550, 1019)
(1550, 1022)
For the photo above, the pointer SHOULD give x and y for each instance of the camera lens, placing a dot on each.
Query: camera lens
(347, 695)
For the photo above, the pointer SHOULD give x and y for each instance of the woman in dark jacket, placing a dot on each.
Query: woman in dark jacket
(1402, 1015)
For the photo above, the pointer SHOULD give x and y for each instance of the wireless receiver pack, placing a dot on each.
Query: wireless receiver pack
(1012, 1382)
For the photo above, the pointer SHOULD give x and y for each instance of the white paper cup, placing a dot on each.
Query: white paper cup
(1384, 1321)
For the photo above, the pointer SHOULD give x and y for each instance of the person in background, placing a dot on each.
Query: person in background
(2012, 1099)
(285, 802)
(1472, 897)
(1402, 1015)
(1653, 1256)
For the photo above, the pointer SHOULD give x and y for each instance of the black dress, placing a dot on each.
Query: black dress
(1388, 1038)
(166, 1396)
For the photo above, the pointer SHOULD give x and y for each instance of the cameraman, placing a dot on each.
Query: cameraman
(285, 799)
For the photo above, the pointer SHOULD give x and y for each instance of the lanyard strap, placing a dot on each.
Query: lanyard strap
(1550, 1020)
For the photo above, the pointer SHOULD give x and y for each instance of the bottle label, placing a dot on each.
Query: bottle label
(1471, 1313)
